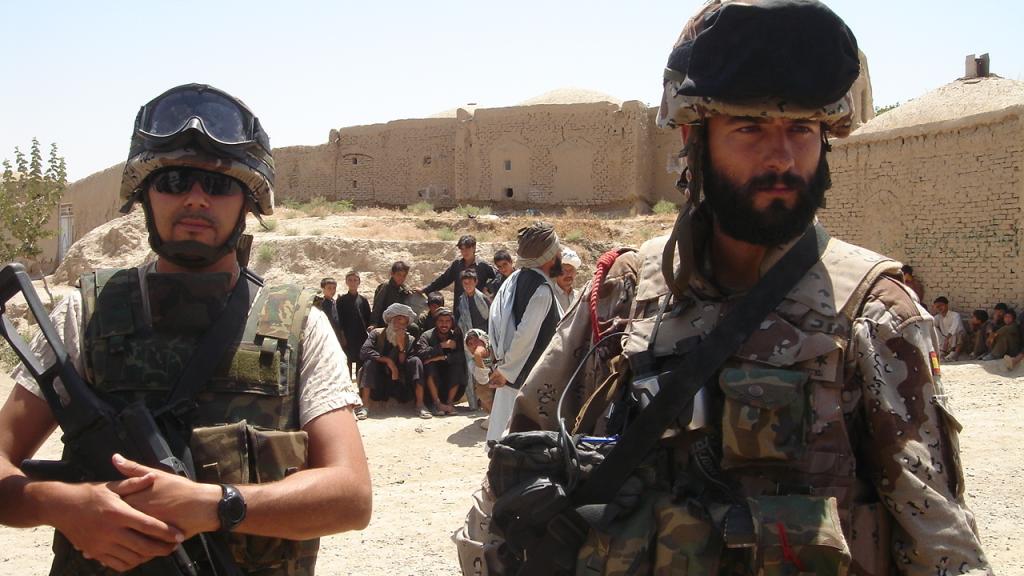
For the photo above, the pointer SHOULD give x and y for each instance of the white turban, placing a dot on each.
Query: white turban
(570, 257)
(398, 310)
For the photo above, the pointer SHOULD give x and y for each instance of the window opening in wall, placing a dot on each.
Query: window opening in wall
(355, 184)
(509, 192)
(508, 166)
(427, 160)
(355, 160)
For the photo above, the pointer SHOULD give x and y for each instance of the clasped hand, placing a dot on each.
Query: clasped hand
(125, 523)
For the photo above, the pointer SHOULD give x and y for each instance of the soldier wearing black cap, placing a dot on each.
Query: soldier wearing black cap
(775, 405)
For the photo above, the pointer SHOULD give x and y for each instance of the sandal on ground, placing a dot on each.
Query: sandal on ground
(362, 413)
(424, 413)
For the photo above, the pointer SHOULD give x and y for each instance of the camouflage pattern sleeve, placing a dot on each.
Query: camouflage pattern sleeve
(909, 443)
(535, 406)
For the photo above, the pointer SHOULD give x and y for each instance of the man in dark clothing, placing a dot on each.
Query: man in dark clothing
(394, 291)
(426, 320)
(1007, 340)
(441, 351)
(354, 316)
(503, 262)
(390, 368)
(326, 302)
(467, 248)
(995, 322)
(974, 345)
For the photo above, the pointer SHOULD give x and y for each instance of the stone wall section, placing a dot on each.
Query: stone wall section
(947, 198)
(592, 154)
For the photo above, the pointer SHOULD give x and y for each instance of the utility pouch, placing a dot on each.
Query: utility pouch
(763, 416)
(523, 457)
(242, 454)
(798, 535)
(529, 477)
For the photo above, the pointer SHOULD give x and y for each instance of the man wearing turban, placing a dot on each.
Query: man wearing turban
(523, 318)
(390, 368)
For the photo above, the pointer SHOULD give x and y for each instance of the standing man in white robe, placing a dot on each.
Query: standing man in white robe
(523, 318)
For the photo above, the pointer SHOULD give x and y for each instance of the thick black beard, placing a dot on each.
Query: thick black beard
(556, 270)
(732, 204)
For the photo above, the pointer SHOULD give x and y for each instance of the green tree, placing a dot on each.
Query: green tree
(29, 193)
(879, 110)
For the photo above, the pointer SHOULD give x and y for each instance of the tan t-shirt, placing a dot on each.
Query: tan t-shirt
(324, 383)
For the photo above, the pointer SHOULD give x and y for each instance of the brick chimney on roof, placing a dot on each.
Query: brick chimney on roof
(976, 66)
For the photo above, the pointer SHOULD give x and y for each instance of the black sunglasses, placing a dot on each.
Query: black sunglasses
(177, 181)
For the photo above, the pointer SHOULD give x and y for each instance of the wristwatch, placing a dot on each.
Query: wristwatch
(231, 508)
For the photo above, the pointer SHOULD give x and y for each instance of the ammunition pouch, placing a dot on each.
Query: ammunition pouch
(243, 454)
(764, 536)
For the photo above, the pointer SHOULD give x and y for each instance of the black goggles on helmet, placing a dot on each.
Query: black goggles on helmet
(177, 181)
(218, 116)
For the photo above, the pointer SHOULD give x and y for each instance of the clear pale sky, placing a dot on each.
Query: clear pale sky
(75, 73)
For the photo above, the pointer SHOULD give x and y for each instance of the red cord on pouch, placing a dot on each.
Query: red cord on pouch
(787, 552)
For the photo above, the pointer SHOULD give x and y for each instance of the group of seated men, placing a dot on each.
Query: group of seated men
(429, 358)
(982, 337)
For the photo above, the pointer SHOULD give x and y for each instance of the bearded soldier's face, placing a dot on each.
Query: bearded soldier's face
(763, 177)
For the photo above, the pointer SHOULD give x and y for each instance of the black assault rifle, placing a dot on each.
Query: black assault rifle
(95, 426)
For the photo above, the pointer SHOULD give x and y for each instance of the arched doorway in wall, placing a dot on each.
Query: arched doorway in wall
(574, 171)
(510, 171)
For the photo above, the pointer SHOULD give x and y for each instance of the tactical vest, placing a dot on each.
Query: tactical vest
(245, 427)
(770, 436)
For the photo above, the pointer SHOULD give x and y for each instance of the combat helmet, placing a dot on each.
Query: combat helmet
(198, 126)
(760, 58)
(791, 59)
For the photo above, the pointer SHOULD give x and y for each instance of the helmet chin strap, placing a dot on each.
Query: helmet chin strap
(190, 253)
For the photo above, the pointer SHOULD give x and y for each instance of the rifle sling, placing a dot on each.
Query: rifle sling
(677, 387)
(215, 343)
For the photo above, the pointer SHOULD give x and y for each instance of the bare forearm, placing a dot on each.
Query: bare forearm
(307, 504)
(24, 500)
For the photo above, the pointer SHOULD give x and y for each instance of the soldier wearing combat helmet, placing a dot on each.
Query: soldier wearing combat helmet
(774, 405)
(266, 423)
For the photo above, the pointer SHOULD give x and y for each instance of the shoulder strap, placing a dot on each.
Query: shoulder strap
(678, 386)
(677, 389)
(216, 341)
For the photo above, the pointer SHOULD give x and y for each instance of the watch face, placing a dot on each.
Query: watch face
(231, 509)
(234, 508)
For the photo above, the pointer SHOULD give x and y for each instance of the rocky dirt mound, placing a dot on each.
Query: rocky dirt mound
(120, 243)
(302, 249)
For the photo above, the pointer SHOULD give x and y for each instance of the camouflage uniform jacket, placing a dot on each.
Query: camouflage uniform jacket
(837, 394)
(245, 426)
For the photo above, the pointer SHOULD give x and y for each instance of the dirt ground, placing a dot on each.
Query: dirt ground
(425, 470)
